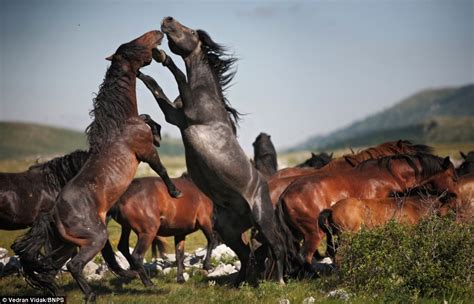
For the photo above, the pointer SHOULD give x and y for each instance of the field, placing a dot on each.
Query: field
(198, 289)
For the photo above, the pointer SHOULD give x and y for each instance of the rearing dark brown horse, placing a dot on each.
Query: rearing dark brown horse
(118, 141)
(214, 158)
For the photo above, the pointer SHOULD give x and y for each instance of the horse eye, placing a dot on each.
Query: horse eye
(193, 32)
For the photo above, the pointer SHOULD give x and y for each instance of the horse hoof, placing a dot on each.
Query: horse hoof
(159, 55)
(176, 193)
(180, 280)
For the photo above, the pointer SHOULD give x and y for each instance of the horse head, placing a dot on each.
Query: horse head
(138, 52)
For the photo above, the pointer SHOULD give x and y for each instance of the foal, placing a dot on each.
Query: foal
(119, 139)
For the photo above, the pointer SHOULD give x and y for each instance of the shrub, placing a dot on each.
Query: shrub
(433, 259)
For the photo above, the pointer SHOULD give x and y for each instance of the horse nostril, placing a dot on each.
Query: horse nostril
(169, 19)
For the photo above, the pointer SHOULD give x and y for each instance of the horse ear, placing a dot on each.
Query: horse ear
(109, 58)
(399, 143)
(330, 155)
(462, 154)
(312, 154)
(446, 163)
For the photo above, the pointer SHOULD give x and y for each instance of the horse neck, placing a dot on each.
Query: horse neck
(199, 73)
(405, 175)
(125, 85)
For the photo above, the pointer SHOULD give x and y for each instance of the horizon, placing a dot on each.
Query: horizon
(306, 68)
(281, 149)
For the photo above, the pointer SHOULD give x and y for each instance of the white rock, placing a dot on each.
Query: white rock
(170, 257)
(167, 270)
(221, 251)
(339, 294)
(283, 301)
(186, 276)
(200, 252)
(90, 268)
(122, 260)
(222, 270)
(309, 300)
(326, 260)
(3, 253)
(237, 265)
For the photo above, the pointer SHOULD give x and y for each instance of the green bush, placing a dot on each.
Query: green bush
(402, 263)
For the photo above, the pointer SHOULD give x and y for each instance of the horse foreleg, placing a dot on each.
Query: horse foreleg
(152, 158)
(179, 246)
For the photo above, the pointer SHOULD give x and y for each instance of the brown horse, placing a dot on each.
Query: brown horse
(306, 197)
(147, 209)
(351, 214)
(25, 195)
(119, 139)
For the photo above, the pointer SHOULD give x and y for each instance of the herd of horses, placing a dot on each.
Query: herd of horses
(67, 201)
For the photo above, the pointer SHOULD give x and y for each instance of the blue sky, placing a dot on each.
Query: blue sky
(306, 67)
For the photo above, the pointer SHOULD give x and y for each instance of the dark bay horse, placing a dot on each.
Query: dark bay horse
(351, 214)
(307, 196)
(119, 139)
(147, 209)
(25, 195)
(265, 155)
(316, 161)
(467, 165)
(214, 158)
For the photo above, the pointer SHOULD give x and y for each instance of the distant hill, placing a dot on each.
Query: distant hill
(19, 140)
(431, 116)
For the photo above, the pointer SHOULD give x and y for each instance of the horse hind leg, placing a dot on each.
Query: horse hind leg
(179, 245)
(206, 228)
(95, 240)
(230, 228)
(143, 244)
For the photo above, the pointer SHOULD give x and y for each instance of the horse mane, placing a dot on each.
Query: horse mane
(222, 65)
(392, 147)
(430, 164)
(111, 108)
(60, 170)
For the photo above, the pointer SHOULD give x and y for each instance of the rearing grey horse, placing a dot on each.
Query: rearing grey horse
(214, 158)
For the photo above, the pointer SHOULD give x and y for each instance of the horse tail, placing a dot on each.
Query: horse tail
(42, 253)
(292, 263)
(326, 224)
